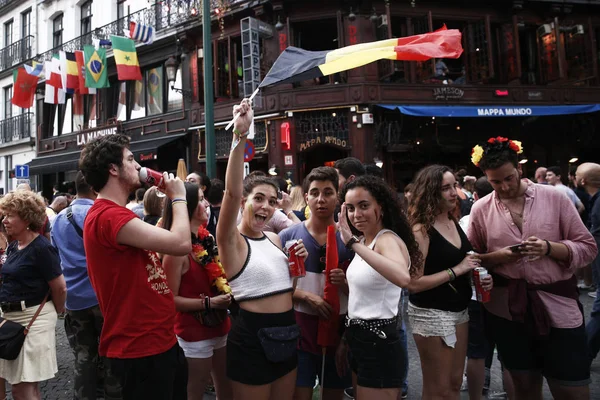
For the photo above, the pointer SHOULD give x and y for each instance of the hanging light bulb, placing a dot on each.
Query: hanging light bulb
(351, 16)
(279, 25)
(374, 16)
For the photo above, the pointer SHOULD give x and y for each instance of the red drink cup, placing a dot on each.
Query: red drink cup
(152, 178)
(297, 268)
(483, 296)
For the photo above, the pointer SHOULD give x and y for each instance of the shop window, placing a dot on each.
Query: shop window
(175, 98)
(505, 45)
(318, 35)
(229, 77)
(393, 71)
(548, 53)
(578, 51)
(154, 90)
(121, 113)
(478, 68)
(530, 71)
(222, 77)
(137, 99)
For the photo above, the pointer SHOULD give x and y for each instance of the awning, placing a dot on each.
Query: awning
(491, 111)
(54, 163)
(70, 161)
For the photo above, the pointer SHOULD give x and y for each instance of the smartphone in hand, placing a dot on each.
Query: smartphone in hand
(516, 248)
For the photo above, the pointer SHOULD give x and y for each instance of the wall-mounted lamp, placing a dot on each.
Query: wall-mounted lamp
(172, 65)
(279, 25)
(573, 160)
(351, 16)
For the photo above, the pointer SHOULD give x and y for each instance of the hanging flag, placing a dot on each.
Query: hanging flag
(138, 98)
(71, 73)
(141, 33)
(294, 64)
(36, 70)
(82, 89)
(62, 56)
(121, 107)
(327, 334)
(24, 89)
(77, 112)
(95, 68)
(154, 84)
(128, 67)
(54, 94)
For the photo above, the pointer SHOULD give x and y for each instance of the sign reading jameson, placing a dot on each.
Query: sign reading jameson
(85, 137)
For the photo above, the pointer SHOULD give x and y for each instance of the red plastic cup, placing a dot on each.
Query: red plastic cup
(152, 178)
(297, 268)
(483, 296)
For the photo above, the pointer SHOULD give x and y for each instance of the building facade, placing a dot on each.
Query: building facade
(523, 62)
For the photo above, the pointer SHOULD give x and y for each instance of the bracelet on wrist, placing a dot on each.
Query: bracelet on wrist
(451, 274)
(549, 248)
(240, 134)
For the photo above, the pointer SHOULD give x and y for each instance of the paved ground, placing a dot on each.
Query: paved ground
(61, 386)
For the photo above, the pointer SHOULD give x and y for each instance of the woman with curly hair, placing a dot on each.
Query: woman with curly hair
(30, 273)
(201, 300)
(387, 256)
(439, 298)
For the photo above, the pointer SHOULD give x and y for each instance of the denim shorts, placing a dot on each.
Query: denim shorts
(376, 362)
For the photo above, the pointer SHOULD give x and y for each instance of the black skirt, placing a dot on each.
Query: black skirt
(246, 360)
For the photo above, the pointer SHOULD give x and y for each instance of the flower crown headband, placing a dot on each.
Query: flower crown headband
(497, 143)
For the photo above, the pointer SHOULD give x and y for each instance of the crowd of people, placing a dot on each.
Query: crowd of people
(165, 296)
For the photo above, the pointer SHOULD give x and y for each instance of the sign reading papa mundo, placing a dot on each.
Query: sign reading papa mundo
(332, 140)
(84, 137)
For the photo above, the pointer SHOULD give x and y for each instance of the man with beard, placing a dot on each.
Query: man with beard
(531, 239)
(588, 178)
(320, 188)
(138, 335)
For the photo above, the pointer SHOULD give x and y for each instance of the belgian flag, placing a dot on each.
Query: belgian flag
(295, 64)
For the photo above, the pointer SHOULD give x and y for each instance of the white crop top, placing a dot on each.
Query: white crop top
(371, 296)
(265, 272)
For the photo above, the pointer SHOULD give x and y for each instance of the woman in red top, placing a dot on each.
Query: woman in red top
(202, 296)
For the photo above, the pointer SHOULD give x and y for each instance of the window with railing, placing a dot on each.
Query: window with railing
(229, 75)
(26, 23)
(57, 30)
(8, 33)
(392, 71)
(8, 92)
(423, 69)
(86, 17)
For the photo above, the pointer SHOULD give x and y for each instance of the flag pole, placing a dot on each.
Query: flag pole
(237, 115)
(209, 117)
(322, 380)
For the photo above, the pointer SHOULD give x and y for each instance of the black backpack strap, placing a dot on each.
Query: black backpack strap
(72, 221)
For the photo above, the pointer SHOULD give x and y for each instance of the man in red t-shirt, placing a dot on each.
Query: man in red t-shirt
(138, 334)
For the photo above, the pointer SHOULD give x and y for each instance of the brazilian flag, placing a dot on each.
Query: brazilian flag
(96, 75)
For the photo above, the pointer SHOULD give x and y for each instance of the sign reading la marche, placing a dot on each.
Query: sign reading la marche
(85, 137)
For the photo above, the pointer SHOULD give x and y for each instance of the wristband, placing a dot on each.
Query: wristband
(451, 274)
(240, 134)
(178, 199)
(206, 303)
(549, 248)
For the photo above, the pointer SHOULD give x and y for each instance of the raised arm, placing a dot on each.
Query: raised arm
(177, 241)
(227, 233)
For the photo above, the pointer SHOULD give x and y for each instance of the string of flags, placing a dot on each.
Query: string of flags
(83, 71)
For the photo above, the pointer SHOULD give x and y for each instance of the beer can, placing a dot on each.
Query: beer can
(152, 178)
(483, 296)
(296, 264)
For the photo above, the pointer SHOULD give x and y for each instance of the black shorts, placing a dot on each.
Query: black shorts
(561, 356)
(479, 345)
(376, 362)
(246, 360)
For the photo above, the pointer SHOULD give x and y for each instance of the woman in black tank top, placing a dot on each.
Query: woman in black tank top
(439, 298)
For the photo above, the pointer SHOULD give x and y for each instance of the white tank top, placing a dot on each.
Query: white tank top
(371, 295)
(265, 272)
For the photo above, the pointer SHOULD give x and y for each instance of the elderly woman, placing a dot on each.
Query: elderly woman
(31, 270)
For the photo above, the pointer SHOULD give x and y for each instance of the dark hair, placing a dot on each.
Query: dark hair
(373, 170)
(282, 183)
(460, 176)
(483, 187)
(496, 153)
(349, 166)
(253, 181)
(393, 217)
(256, 173)
(573, 170)
(81, 186)
(139, 194)
(97, 157)
(426, 196)
(321, 174)
(204, 180)
(191, 196)
(215, 194)
(409, 187)
(555, 170)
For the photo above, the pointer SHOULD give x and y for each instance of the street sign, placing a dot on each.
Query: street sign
(22, 171)
(246, 169)
(249, 151)
(22, 181)
(288, 160)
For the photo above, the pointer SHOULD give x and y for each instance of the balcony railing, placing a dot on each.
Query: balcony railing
(16, 53)
(160, 16)
(15, 128)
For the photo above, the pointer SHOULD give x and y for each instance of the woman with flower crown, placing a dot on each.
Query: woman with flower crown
(202, 296)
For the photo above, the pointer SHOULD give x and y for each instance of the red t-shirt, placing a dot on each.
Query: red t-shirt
(194, 283)
(131, 286)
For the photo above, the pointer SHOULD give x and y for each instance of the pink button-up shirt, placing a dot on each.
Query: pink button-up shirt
(549, 215)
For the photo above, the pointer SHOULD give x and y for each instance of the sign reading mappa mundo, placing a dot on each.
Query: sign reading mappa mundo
(84, 137)
(504, 111)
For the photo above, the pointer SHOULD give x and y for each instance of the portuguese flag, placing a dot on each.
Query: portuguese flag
(295, 65)
(128, 67)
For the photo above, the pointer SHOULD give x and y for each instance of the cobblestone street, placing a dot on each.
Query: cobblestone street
(61, 386)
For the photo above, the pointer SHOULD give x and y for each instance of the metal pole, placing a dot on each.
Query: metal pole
(209, 118)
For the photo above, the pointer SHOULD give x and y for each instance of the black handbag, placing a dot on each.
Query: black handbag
(280, 342)
(12, 335)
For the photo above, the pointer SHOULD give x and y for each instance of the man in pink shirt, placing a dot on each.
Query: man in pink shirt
(531, 239)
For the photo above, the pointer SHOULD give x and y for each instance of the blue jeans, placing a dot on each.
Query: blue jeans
(593, 326)
(403, 339)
